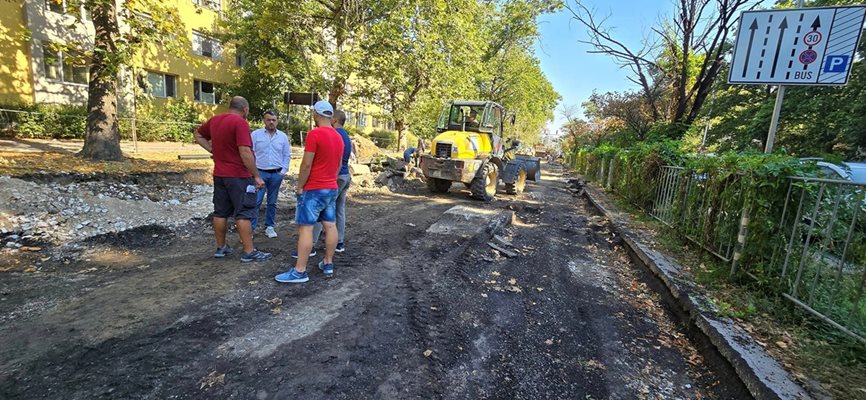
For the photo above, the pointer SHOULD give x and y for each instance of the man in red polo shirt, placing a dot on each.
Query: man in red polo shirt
(317, 193)
(235, 177)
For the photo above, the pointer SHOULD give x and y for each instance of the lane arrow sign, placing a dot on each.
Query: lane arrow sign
(815, 25)
(752, 28)
(782, 27)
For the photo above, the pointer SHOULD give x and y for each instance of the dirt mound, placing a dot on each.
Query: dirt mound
(367, 150)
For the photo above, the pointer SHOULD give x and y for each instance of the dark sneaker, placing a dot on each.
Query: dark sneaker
(312, 253)
(292, 276)
(340, 248)
(255, 255)
(327, 269)
(222, 251)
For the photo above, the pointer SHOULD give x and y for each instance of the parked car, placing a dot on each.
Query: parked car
(848, 171)
(831, 209)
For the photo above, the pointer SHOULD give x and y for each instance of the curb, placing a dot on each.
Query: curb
(762, 375)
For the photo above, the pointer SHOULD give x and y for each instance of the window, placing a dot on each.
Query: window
(75, 68)
(206, 46)
(145, 22)
(57, 6)
(160, 85)
(497, 120)
(67, 7)
(51, 61)
(205, 92)
(212, 4)
(362, 120)
(464, 116)
(65, 66)
(240, 60)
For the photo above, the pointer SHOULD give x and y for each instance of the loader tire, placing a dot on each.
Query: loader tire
(519, 184)
(483, 187)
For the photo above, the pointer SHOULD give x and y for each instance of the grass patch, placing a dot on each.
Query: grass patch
(817, 355)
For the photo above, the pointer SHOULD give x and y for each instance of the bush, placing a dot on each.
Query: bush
(47, 122)
(175, 122)
(713, 190)
(384, 138)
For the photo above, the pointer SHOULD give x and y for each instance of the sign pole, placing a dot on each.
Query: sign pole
(777, 109)
(774, 123)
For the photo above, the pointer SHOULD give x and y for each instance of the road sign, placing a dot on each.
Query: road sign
(806, 46)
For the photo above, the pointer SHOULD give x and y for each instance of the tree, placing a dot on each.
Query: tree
(512, 74)
(103, 137)
(274, 63)
(591, 133)
(149, 22)
(414, 55)
(627, 107)
(346, 23)
(675, 71)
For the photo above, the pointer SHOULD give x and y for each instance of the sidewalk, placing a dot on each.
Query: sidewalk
(762, 374)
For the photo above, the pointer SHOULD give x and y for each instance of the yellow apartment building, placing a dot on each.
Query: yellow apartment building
(39, 64)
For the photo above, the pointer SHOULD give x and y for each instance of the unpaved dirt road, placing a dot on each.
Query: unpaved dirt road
(408, 315)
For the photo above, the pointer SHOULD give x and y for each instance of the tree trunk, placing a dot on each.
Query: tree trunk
(338, 88)
(103, 137)
(400, 126)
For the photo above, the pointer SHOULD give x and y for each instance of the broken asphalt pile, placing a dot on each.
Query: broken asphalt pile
(60, 213)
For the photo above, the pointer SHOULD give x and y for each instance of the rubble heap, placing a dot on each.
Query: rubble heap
(61, 213)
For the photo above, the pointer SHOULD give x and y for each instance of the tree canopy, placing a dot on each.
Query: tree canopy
(408, 57)
(681, 90)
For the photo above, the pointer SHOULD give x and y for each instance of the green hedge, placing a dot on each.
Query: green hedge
(45, 122)
(173, 122)
(809, 223)
(384, 138)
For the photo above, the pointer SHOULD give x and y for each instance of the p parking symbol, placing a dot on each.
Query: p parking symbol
(835, 64)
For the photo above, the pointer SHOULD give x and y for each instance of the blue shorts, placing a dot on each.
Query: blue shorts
(316, 206)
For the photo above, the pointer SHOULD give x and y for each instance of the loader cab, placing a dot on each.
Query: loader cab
(472, 116)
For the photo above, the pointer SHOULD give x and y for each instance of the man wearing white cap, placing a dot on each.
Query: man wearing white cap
(317, 193)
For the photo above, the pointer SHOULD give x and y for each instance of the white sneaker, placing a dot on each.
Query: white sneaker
(271, 232)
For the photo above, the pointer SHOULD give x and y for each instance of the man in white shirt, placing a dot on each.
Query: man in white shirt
(273, 153)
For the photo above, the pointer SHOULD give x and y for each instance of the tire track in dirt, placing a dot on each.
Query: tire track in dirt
(573, 329)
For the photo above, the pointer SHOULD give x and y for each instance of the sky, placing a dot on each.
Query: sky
(573, 71)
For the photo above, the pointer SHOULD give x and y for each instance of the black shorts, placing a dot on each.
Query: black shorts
(231, 198)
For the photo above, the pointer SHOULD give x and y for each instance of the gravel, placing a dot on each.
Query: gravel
(58, 213)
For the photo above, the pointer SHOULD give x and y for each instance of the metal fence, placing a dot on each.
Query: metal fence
(805, 237)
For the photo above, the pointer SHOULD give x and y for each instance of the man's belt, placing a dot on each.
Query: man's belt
(271, 171)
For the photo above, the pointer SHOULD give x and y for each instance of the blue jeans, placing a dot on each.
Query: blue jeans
(315, 206)
(343, 183)
(273, 180)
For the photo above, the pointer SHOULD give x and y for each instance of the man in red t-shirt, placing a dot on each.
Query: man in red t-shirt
(317, 193)
(235, 177)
